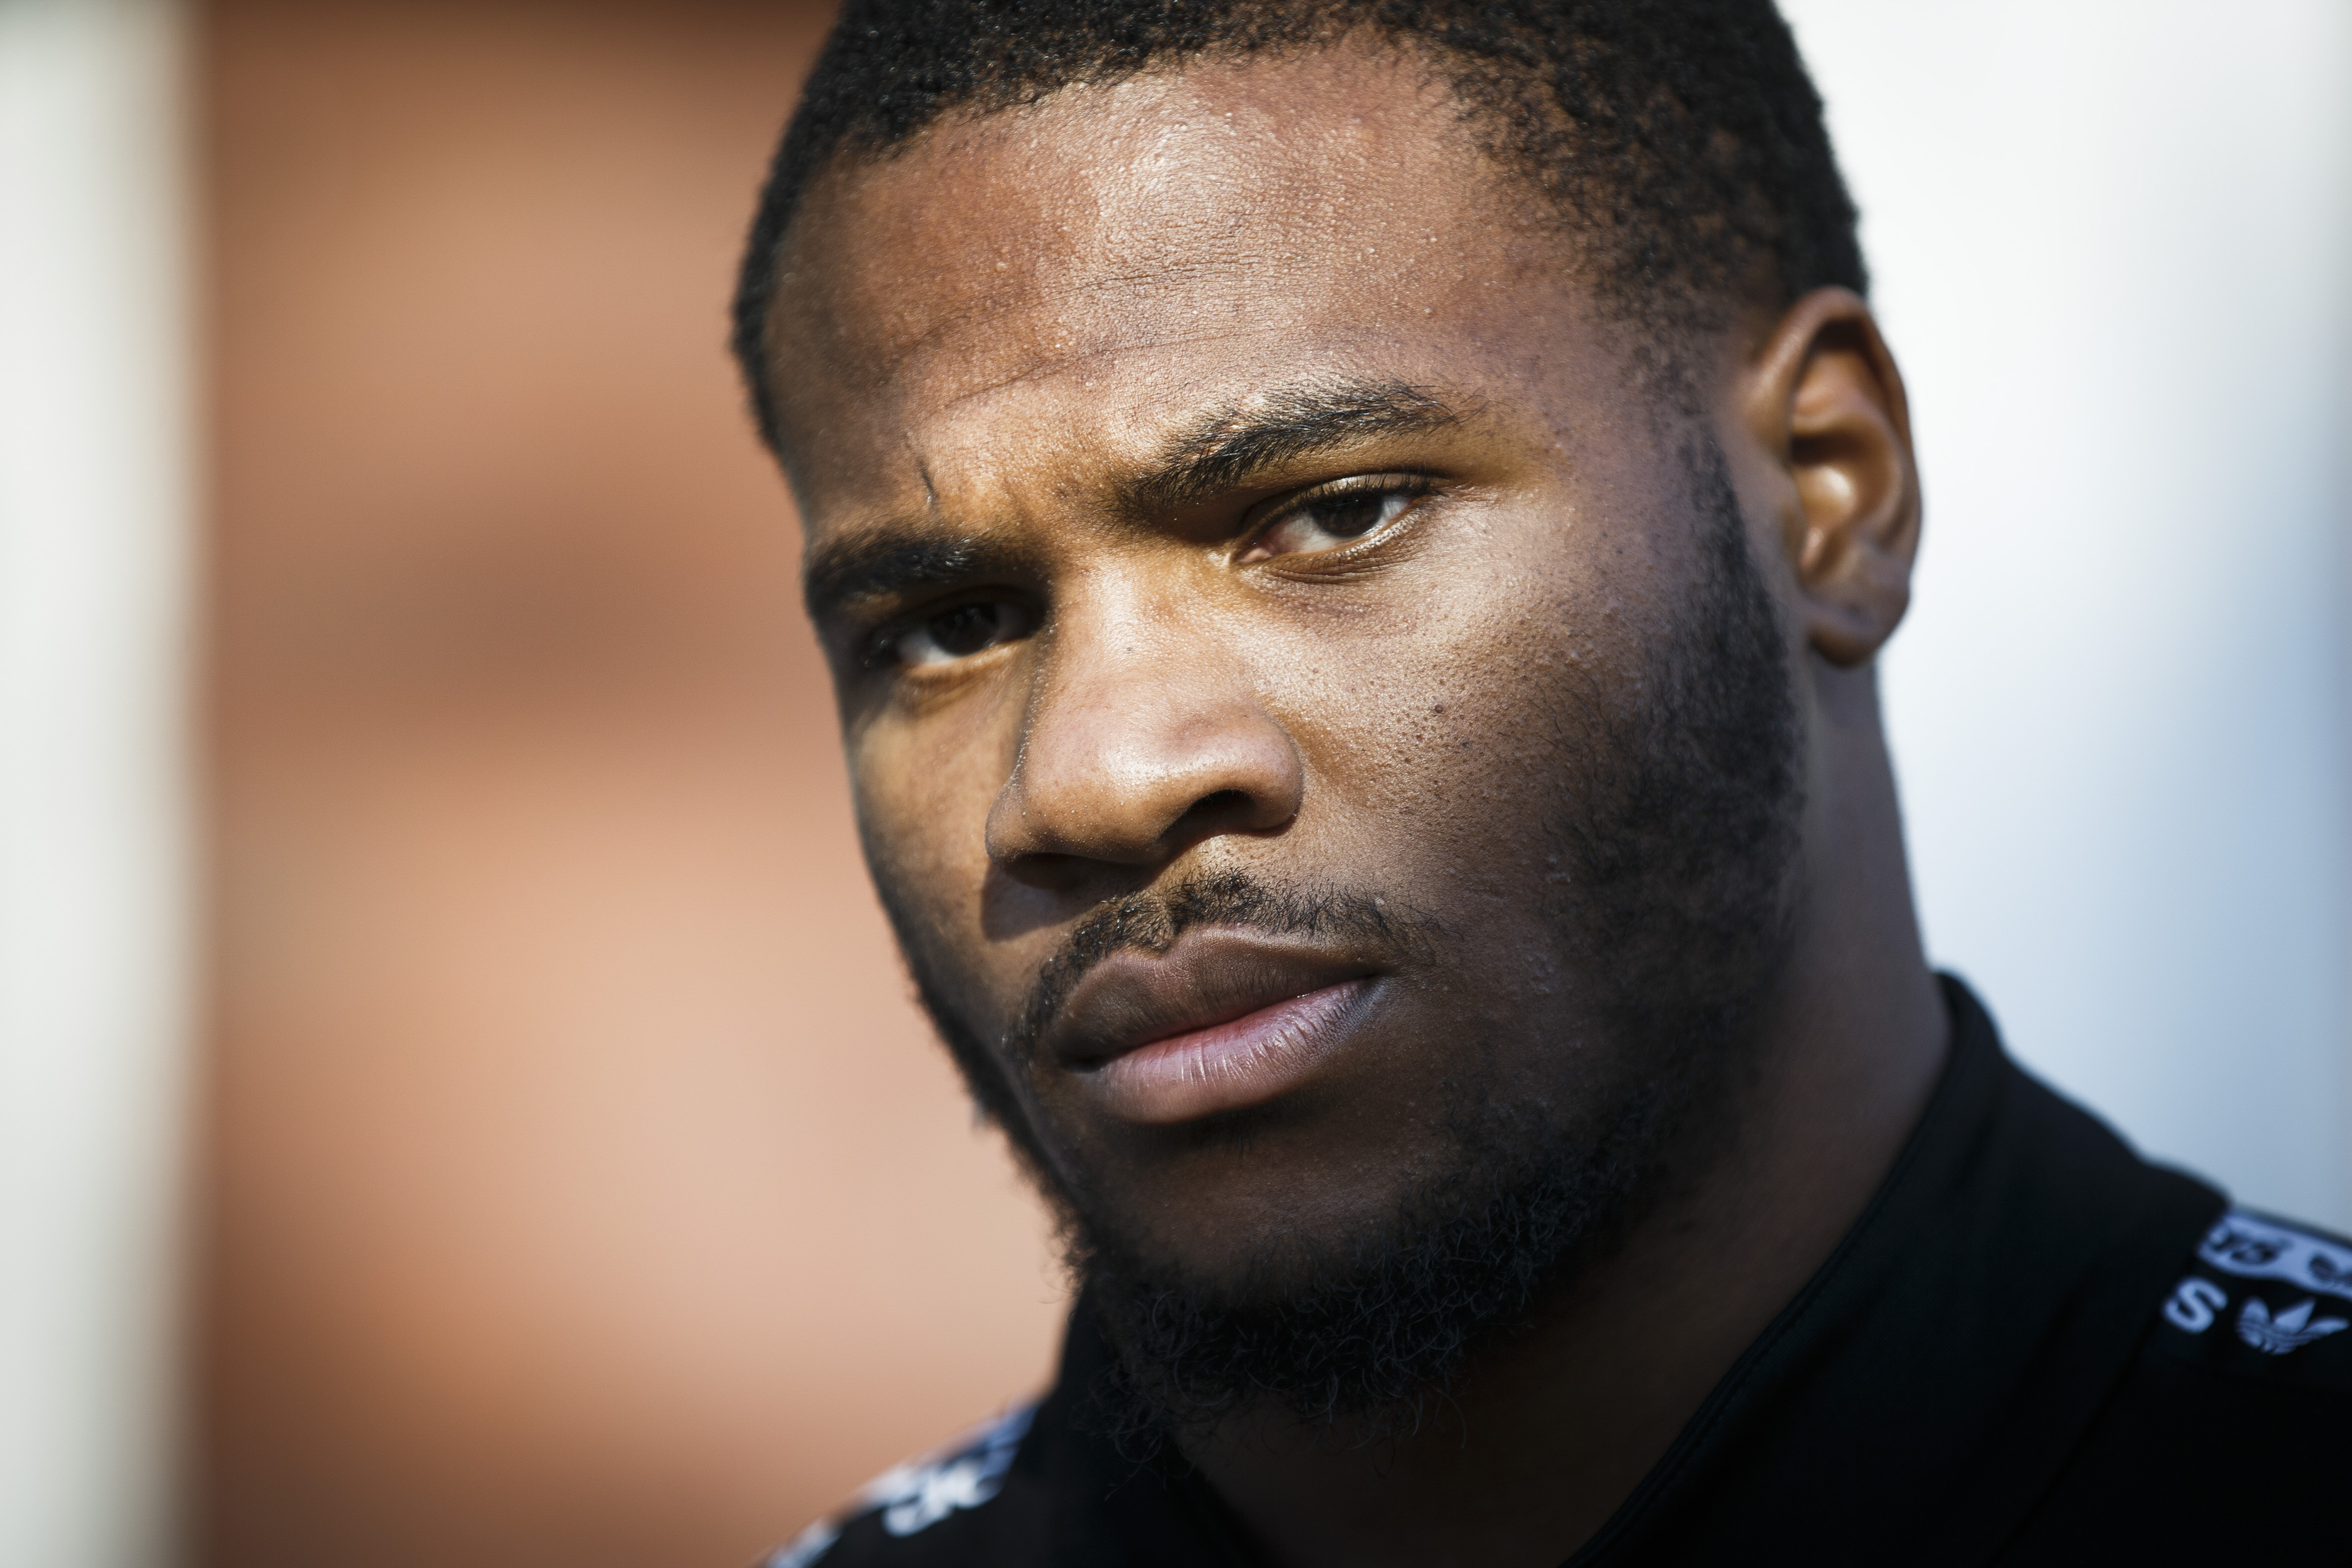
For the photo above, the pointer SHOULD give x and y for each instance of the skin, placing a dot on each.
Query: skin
(994, 342)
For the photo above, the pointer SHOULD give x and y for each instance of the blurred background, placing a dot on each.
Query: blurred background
(458, 1102)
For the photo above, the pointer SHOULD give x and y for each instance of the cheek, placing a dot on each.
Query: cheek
(1454, 743)
(922, 812)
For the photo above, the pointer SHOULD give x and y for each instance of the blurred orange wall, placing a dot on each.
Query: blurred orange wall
(583, 1188)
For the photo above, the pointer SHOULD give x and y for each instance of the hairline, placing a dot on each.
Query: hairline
(1670, 314)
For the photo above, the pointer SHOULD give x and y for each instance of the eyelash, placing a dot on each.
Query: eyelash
(882, 648)
(1362, 487)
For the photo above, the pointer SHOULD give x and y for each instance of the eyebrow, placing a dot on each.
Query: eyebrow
(1228, 447)
(891, 559)
(1222, 450)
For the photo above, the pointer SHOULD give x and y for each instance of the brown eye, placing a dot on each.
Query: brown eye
(959, 633)
(1329, 522)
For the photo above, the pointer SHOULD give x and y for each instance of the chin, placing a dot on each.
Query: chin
(1290, 1187)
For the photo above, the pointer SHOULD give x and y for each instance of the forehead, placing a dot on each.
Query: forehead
(1097, 265)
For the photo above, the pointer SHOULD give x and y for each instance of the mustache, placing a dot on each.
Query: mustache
(1151, 921)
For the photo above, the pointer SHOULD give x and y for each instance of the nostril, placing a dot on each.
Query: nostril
(1224, 809)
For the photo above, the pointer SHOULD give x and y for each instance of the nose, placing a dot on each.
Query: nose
(1130, 759)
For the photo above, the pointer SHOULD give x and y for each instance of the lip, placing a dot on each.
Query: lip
(1222, 1021)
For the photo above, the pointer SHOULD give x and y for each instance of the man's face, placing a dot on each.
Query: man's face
(1313, 721)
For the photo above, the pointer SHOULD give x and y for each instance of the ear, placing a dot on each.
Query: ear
(1825, 401)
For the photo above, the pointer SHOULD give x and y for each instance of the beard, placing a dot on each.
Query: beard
(1673, 847)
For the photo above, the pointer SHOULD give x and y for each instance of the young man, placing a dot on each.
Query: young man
(1351, 540)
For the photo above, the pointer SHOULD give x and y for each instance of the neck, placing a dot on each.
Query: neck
(1552, 1430)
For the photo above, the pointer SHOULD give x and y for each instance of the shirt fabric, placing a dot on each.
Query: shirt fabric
(2032, 1347)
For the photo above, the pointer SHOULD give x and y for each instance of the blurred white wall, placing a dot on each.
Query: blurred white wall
(94, 499)
(2113, 248)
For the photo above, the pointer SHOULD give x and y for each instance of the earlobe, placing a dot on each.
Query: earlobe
(1825, 401)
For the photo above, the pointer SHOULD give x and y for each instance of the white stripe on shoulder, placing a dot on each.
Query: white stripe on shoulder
(917, 1496)
(963, 1473)
(2254, 1247)
(806, 1547)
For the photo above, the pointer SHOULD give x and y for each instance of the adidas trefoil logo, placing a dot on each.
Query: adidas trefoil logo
(2290, 1331)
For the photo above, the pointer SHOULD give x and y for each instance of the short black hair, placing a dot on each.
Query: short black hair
(1681, 140)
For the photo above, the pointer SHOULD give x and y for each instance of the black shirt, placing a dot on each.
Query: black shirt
(2032, 1347)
